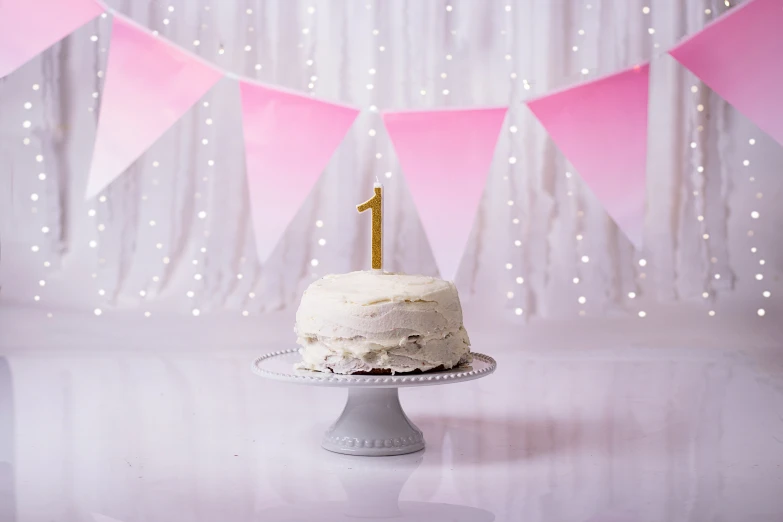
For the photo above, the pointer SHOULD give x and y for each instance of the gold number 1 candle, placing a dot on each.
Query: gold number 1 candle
(375, 204)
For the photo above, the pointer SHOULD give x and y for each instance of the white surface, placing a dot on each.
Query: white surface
(538, 38)
(111, 420)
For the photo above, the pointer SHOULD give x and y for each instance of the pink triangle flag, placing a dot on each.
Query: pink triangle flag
(28, 27)
(740, 57)
(601, 127)
(289, 139)
(445, 156)
(150, 84)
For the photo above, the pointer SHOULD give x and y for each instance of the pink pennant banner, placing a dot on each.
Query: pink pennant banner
(28, 27)
(445, 156)
(740, 57)
(150, 84)
(289, 139)
(601, 127)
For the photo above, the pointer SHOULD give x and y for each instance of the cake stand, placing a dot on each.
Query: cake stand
(372, 423)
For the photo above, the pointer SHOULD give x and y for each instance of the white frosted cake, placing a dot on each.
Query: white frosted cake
(380, 323)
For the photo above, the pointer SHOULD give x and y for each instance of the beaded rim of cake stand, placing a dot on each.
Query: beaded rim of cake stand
(317, 377)
(395, 442)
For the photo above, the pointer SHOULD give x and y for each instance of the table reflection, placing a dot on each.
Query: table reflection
(372, 487)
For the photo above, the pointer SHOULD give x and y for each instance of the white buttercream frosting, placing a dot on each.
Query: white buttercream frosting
(361, 321)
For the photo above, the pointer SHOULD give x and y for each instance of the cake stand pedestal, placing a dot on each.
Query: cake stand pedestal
(373, 422)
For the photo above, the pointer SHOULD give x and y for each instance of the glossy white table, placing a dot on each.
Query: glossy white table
(136, 430)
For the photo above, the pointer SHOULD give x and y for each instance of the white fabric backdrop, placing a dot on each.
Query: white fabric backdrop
(173, 234)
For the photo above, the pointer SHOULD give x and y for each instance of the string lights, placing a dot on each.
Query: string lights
(515, 296)
(312, 67)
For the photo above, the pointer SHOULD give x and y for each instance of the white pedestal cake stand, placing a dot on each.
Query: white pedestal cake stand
(372, 423)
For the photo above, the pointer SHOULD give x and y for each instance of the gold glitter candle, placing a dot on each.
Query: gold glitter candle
(376, 205)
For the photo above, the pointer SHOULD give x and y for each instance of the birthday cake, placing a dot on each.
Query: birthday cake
(377, 322)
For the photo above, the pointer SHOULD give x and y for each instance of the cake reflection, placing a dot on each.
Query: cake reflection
(372, 487)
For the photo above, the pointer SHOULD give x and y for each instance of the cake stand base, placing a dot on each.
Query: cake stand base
(373, 424)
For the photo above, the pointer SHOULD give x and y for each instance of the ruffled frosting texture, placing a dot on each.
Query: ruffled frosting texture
(362, 321)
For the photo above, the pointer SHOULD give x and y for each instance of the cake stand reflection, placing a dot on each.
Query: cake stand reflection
(373, 422)
(372, 489)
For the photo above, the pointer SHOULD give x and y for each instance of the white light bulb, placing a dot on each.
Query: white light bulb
(582, 299)
(313, 262)
(518, 311)
(520, 280)
(761, 312)
(510, 295)
(642, 313)
(509, 266)
(631, 295)
(97, 311)
(585, 259)
(196, 312)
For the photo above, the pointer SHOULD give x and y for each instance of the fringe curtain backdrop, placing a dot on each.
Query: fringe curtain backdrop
(173, 233)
